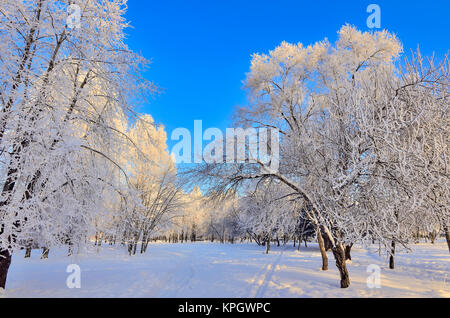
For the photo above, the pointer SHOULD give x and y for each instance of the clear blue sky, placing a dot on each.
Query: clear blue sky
(200, 49)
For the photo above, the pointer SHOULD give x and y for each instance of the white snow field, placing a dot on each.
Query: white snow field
(225, 270)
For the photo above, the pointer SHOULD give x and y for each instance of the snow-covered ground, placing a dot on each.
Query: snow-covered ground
(225, 270)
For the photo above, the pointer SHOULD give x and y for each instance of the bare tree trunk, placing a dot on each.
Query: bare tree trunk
(348, 249)
(45, 252)
(301, 235)
(135, 247)
(146, 244)
(99, 243)
(5, 261)
(447, 236)
(326, 240)
(268, 245)
(339, 255)
(28, 252)
(432, 237)
(322, 250)
(391, 258)
(143, 242)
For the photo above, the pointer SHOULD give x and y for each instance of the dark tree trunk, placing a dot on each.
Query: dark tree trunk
(447, 236)
(391, 258)
(28, 252)
(339, 256)
(268, 246)
(45, 252)
(327, 241)
(348, 249)
(145, 247)
(144, 242)
(300, 238)
(5, 261)
(432, 237)
(322, 250)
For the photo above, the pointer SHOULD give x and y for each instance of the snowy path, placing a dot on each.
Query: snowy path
(216, 270)
(263, 279)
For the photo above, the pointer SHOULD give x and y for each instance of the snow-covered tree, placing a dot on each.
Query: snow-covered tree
(354, 136)
(153, 175)
(223, 219)
(267, 212)
(63, 92)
